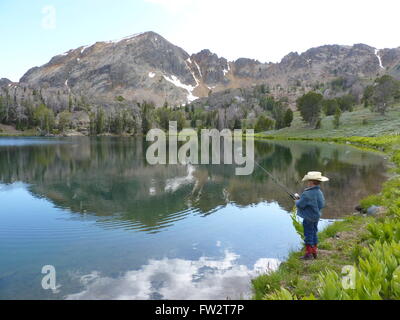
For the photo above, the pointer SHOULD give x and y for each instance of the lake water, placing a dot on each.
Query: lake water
(115, 227)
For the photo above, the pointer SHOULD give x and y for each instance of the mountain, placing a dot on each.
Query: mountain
(4, 82)
(147, 67)
(140, 67)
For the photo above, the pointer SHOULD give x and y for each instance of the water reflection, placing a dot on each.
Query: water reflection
(117, 228)
(177, 279)
(109, 177)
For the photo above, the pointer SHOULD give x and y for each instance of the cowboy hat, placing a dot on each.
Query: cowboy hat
(315, 176)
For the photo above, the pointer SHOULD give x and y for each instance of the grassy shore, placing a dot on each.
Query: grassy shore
(371, 245)
(10, 131)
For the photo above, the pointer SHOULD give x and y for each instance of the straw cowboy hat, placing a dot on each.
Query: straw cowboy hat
(315, 176)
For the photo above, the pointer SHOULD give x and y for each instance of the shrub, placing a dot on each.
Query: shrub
(298, 226)
(65, 121)
(329, 106)
(346, 102)
(310, 106)
(264, 124)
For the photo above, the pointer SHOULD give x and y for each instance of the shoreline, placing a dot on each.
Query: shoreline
(343, 243)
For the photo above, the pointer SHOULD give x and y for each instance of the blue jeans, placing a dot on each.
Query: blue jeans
(310, 232)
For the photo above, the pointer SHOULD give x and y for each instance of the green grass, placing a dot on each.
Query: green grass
(26, 133)
(351, 125)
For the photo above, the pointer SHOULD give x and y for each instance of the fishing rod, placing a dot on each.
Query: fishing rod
(284, 188)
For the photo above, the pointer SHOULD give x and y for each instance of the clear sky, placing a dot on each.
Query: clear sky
(32, 31)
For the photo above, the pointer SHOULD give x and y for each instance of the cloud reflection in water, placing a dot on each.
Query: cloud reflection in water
(178, 279)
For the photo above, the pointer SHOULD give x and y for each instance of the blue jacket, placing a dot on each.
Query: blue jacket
(310, 204)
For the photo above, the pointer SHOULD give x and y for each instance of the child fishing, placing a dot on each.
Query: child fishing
(309, 206)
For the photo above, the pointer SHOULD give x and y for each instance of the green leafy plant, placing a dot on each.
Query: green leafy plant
(387, 231)
(281, 294)
(377, 276)
(370, 201)
(298, 226)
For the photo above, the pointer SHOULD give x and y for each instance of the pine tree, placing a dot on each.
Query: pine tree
(2, 110)
(288, 118)
(100, 121)
(237, 124)
(385, 93)
(64, 121)
(336, 118)
(44, 118)
(92, 123)
(310, 106)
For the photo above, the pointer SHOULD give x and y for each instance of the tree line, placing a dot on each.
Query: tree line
(268, 113)
(379, 96)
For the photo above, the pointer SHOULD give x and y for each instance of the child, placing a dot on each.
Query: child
(309, 207)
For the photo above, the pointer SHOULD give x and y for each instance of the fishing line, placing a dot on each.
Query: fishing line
(284, 188)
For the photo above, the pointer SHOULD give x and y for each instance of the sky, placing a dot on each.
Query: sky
(33, 31)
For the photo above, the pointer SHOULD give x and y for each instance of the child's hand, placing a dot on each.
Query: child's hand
(297, 196)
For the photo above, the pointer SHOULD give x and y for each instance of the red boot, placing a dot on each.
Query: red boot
(309, 253)
(315, 251)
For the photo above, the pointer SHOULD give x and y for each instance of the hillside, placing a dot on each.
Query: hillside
(360, 122)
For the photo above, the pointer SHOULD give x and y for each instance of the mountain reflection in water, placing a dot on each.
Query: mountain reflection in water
(110, 177)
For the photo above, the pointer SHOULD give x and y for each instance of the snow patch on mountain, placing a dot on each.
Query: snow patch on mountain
(228, 68)
(84, 48)
(191, 71)
(66, 84)
(379, 59)
(128, 38)
(176, 82)
(198, 68)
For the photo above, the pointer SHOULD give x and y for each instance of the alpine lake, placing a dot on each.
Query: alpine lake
(115, 227)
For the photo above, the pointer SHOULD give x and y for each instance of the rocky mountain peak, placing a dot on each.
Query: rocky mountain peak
(4, 82)
(212, 68)
(146, 66)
